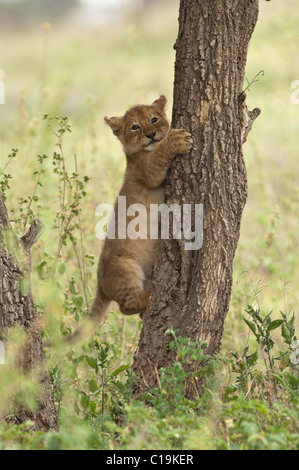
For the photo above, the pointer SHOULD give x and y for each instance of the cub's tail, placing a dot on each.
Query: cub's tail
(95, 317)
(99, 307)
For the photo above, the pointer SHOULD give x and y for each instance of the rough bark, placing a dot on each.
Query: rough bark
(191, 289)
(18, 311)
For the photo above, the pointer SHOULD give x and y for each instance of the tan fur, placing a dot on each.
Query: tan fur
(125, 266)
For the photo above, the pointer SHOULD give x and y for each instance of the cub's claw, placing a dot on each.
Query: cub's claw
(180, 140)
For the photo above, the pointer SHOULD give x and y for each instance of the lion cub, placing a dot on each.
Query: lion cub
(125, 265)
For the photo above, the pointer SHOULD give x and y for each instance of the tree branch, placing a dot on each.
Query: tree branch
(248, 117)
(33, 234)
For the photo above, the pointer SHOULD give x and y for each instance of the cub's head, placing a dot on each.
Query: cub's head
(142, 127)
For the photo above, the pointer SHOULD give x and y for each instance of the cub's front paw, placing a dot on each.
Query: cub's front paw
(180, 141)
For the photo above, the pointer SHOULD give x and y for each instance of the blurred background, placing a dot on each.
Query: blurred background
(91, 58)
(84, 14)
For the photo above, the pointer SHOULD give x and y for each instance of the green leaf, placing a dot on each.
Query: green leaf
(252, 359)
(121, 369)
(41, 266)
(93, 386)
(275, 324)
(103, 354)
(254, 314)
(92, 362)
(283, 315)
(61, 268)
(286, 334)
(85, 401)
(250, 324)
(78, 301)
(93, 406)
(291, 325)
(73, 287)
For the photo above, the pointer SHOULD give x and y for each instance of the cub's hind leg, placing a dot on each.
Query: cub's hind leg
(124, 283)
(134, 301)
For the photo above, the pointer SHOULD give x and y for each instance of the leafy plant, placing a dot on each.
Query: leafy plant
(169, 397)
(6, 177)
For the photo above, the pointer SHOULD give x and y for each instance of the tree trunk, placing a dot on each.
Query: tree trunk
(191, 289)
(18, 312)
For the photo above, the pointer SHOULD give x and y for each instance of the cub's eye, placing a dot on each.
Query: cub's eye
(155, 120)
(135, 127)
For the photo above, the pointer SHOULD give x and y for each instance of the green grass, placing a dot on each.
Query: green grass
(87, 76)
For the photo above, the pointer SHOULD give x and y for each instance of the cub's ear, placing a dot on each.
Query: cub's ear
(116, 124)
(160, 103)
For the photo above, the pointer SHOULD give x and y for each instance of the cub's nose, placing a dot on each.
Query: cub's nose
(151, 135)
